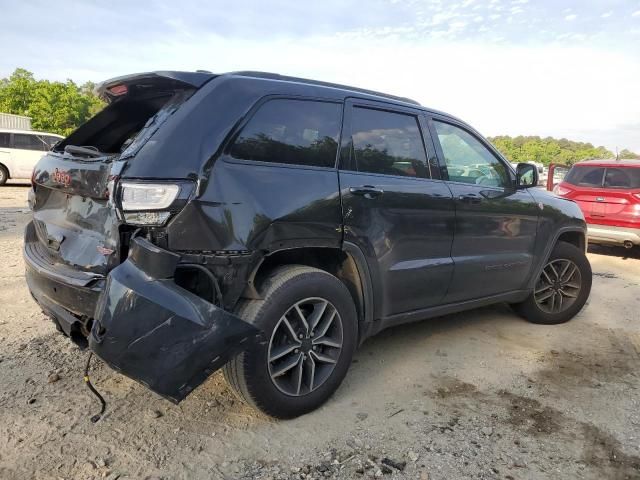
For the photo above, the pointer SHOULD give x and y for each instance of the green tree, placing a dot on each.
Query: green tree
(628, 155)
(547, 150)
(53, 106)
(16, 92)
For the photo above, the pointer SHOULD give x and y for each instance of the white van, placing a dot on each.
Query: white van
(20, 150)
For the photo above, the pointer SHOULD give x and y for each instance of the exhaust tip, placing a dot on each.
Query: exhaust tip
(628, 244)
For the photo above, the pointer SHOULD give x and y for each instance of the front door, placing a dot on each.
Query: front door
(398, 213)
(496, 223)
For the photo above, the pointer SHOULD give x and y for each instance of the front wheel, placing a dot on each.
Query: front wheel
(562, 288)
(310, 327)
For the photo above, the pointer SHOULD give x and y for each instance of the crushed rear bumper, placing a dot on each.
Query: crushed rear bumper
(143, 324)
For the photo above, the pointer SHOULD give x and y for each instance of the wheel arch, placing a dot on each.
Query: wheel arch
(574, 235)
(347, 264)
(6, 168)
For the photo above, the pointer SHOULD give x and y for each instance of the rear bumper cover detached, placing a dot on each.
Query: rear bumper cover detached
(144, 325)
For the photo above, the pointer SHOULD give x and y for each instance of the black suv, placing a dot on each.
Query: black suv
(270, 224)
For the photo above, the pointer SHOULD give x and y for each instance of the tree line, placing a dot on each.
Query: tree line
(60, 107)
(56, 107)
(551, 150)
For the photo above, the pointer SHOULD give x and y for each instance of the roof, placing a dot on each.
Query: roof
(608, 162)
(12, 130)
(306, 81)
(199, 78)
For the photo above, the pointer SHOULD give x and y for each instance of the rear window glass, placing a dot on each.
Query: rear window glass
(5, 140)
(114, 129)
(585, 176)
(300, 132)
(625, 177)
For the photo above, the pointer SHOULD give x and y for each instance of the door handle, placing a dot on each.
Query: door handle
(470, 198)
(366, 191)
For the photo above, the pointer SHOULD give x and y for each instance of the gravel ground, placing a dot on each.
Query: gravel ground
(482, 394)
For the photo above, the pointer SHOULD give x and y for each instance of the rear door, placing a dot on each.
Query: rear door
(495, 226)
(395, 207)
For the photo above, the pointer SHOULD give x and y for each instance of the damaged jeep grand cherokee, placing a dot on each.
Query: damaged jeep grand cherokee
(268, 225)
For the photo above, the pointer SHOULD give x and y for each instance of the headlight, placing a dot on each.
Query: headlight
(147, 196)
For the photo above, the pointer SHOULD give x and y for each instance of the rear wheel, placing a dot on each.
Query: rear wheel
(4, 175)
(562, 288)
(310, 326)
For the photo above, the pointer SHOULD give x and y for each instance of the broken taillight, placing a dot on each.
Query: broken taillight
(118, 90)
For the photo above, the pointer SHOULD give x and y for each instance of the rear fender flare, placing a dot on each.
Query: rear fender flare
(355, 254)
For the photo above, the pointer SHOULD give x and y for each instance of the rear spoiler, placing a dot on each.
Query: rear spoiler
(117, 87)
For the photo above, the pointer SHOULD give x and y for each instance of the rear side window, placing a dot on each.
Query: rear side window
(297, 132)
(624, 177)
(5, 140)
(387, 142)
(584, 176)
(28, 142)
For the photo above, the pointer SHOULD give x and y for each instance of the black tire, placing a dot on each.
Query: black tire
(531, 309)
(4, 175)
(250, 375)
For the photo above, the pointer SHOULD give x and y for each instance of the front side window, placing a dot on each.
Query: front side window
(299, 132)
(5, 140)
(388, 143)
(28, 142)
(583, 176)
(468, 160)
(626, 177)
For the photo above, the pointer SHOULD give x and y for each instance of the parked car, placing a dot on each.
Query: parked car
(608, 192)
(269, 225)
(20, 150)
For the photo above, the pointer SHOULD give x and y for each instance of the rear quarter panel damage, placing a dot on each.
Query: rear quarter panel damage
(157, 333)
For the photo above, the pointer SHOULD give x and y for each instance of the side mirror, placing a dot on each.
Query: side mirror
(526, 175)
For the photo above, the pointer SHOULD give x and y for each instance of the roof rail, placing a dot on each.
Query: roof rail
(285, 78)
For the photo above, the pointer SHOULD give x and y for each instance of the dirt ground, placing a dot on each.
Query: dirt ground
(477, 395)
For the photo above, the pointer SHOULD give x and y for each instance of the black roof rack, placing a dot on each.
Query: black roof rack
(285, 78)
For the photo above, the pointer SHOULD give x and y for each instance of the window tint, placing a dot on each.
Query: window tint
(300, 132)
(468, 160)
(4, 140)
(28, 142)
(625, 177)
(585, 176)
(388, 143)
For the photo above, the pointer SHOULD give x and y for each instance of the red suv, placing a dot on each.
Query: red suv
(608, 192)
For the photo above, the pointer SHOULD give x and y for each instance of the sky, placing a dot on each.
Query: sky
(513, 67)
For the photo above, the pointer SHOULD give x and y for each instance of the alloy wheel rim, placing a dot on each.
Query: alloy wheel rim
(558, 287)
(305, 346)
